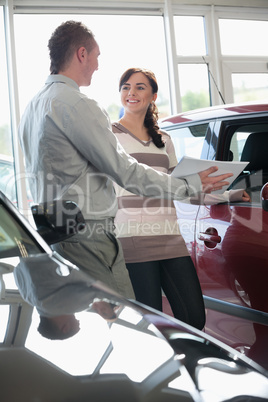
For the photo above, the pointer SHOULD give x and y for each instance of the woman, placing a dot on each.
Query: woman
(156, 255)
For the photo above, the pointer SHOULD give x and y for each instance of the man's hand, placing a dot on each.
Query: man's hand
(245, 197)
(105, 310)
(213, 183)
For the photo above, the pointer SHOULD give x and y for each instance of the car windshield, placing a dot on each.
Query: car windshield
(14, 241)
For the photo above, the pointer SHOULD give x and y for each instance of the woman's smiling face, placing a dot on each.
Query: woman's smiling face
(137, 93)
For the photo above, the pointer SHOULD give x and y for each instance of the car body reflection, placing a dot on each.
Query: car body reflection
(122, 351)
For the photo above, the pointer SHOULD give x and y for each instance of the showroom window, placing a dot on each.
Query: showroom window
(243, 37)
(193, 77)
(250, 86)
(194, 85)
(203, 62)
(244, 58)
(131, 41)
(190, 35)
(6, 149)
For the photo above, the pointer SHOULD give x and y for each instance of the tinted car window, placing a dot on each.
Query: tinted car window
(249, 143)
(237, 144)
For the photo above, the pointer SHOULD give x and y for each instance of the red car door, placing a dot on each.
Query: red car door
(230, 249)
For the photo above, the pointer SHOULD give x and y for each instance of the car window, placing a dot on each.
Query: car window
(188, 140)
(249, 143)
(237, 144)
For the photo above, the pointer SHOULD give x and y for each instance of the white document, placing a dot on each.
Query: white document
(188, 165)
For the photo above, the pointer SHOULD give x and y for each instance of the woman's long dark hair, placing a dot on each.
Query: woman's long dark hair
(151, 117)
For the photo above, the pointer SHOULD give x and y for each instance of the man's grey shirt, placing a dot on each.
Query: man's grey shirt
(71, 153)
(55, 289)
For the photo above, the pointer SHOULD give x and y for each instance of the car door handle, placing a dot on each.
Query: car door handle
(211, 238)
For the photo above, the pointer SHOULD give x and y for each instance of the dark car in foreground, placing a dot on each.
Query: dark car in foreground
(228, 242)
(142, 355)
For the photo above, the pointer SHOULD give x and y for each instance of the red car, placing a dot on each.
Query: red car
(228, 242)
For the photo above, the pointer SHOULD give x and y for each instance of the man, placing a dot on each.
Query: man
(72, 154)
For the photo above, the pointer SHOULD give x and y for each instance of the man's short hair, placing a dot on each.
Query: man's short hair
(65, 40)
